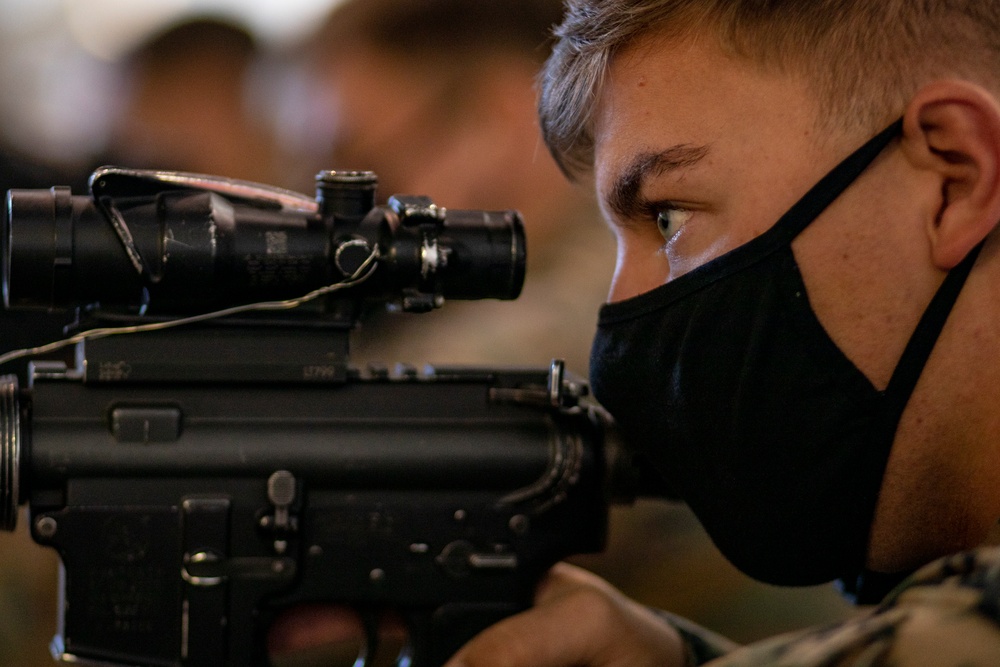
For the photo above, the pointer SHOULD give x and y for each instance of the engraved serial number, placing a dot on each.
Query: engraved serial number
(319, 372)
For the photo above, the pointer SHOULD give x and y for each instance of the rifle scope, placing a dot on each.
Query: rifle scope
(176, 243)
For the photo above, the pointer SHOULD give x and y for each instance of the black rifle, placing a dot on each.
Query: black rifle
(197, 480)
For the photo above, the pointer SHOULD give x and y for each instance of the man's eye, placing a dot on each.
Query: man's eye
(670, 220)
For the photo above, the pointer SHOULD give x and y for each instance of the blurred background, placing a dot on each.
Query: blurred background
(438, 98)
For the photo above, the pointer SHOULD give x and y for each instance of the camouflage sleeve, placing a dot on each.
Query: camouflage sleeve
(947, 613)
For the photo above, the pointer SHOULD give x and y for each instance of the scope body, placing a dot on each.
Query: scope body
(173, 244)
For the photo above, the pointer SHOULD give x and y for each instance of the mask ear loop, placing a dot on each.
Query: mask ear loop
(830, 187)
(870, 587)
(921, 344)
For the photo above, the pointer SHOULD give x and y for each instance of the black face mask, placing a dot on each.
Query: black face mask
(731, 389)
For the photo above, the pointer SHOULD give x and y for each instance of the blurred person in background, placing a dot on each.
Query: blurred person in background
(438, 98)
(185, 104)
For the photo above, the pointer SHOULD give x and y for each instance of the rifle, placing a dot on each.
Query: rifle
(202, 455)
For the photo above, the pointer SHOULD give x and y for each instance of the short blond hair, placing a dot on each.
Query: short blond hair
(863, 58)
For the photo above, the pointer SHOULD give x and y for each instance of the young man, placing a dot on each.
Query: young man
(804, 314)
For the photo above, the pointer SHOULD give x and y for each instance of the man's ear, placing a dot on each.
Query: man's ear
(952, 129)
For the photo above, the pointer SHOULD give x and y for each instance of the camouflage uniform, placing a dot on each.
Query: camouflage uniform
(946, 614)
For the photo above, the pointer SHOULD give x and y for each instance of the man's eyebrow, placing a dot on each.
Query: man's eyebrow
(623, 197)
